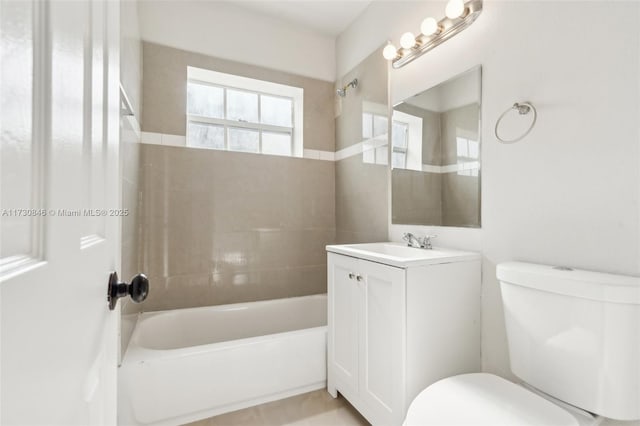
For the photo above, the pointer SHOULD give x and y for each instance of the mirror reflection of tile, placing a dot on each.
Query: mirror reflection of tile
(436, 155)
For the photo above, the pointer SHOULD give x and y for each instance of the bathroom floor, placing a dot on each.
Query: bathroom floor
(315, 408)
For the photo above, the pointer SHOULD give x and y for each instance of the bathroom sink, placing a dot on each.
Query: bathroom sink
(400, 255)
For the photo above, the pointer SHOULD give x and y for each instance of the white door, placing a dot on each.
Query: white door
(59, 156)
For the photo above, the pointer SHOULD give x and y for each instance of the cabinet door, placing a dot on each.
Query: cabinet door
(382, 340)
(343, 324)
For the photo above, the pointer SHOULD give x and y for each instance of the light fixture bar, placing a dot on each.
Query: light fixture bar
(447, 28)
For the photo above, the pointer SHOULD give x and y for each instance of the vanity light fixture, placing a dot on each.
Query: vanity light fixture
(459, 15)
(407, 41)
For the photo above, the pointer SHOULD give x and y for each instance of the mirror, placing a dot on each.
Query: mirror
(435, 159)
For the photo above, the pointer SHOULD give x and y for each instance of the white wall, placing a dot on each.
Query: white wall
(223, 30)
(455, 93)
(569, 193)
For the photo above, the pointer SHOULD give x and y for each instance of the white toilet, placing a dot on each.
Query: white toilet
(574, 339)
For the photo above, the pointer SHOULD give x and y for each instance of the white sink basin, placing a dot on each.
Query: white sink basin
(400, 255)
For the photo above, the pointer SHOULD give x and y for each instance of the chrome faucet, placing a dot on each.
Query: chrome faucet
(413, 241)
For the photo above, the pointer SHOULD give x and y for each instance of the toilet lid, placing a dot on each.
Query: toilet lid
(483, 399)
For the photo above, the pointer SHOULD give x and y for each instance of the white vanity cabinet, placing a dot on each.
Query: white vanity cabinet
(395, 329)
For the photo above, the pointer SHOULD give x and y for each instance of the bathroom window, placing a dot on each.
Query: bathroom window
(406, 141)
(399, 142)
(374, 138)
(468, 151)
(234, 113)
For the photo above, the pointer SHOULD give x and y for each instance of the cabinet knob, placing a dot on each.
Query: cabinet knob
(359, 278)
(351, 275)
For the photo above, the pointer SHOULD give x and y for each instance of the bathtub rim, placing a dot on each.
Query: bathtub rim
(229, 306)
(138, 353)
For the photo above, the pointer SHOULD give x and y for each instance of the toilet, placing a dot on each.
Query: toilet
(574, 341)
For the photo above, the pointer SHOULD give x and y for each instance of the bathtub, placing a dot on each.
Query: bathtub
(189, 364)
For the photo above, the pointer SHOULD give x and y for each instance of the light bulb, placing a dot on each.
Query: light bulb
(454, 9)
(389, 52)
(429, 26)
(408, 40)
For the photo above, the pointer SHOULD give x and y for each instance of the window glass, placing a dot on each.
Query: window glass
(244, 140)
(380, 124)
(398, 160)
(206, 135)
(367, 126)
(463, 150)
(276, 111)
(399, 134)
(381, 155)
(205, 100)
(242, 106)
(276, 143)
(474, 149)
(237, 113)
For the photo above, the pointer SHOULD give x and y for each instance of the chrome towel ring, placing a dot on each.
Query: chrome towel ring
(523, 108)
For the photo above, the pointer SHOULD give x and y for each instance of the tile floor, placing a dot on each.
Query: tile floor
(315, 408)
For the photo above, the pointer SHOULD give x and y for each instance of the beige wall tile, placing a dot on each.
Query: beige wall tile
(416, 197)
(460, 200)
(449, 199)
(165, 85)
(361, 195)
(361, 200)
(226, 227)
(372, 87)
(431, 140)
(131, 232)
(462, 122)
(130, 249)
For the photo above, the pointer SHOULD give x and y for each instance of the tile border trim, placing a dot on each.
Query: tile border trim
(165, 139)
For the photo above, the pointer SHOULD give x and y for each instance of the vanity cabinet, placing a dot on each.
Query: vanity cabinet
(392, 331)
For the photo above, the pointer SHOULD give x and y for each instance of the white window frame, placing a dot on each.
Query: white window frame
(399, 149)
(413, 149)
(374, 148)
(467, 165)
(259, 87)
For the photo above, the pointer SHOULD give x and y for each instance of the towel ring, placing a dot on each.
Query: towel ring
(523, 109)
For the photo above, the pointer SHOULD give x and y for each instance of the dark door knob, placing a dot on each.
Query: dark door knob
(138, 289)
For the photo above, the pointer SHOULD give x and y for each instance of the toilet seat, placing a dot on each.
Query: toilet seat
(484, 399)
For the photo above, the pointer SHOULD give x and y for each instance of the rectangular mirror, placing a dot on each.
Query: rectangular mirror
(435, 159)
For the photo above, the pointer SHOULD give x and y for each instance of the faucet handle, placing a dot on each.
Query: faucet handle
(426, 241)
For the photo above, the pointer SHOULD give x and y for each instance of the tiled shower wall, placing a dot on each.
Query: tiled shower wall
(225, 227)
(460, 193)
(164, 92)
(361, 188)
(131, 81)
(416, 196)
(131, 190)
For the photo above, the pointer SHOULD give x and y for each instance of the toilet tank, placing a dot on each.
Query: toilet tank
(575, 335)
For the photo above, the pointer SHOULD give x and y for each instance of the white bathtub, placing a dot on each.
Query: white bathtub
(189, 364)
